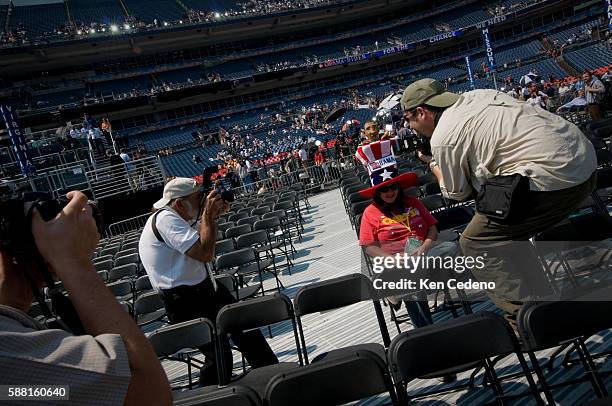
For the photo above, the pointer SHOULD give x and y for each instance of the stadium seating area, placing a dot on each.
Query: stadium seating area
(94, 11)
(39, 20)
(149, 10)
(590, 57)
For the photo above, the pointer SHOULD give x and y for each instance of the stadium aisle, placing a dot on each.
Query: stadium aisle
(329, 249)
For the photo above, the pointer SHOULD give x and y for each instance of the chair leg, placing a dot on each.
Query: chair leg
(529, 377)
(538, 370)
(589, 365)
(495, 385)
(402, 395)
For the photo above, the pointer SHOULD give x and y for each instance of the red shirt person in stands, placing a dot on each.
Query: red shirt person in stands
(393, 219)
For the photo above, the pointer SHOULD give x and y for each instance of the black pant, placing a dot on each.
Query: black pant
(185, 303)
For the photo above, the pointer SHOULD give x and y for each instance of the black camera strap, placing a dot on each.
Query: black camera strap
(154, 226)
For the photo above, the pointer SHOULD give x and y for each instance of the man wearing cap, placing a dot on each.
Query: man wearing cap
(483, 134)
(177, 260)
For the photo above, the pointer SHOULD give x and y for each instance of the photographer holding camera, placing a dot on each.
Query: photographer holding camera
(113, 362)
(178, 259)
(530, 170)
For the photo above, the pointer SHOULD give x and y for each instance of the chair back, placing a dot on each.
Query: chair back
(128, 259)
(238, 216)
(148, 303)
(224, 226)
(548, 324)
(356, 375)
(189, 334)
(106, 265)
(254, 313)
(267, 224)
(260, 211)
(224, 246)
(236, 258)
(250, 239)
(433, 202)
(121, 288)
(473, 338)
(248, 220)
(453, 217)
(234, 232)
(123, 271)
(143, 284)
(333, 294)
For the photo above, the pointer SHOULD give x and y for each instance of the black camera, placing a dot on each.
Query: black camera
(17, 240)
(226, 195)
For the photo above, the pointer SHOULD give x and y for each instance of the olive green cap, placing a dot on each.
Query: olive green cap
(429, 92)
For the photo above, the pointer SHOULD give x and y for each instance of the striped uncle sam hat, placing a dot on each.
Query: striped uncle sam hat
(378, 158)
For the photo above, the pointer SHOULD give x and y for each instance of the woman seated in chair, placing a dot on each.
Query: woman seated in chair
(393, 224)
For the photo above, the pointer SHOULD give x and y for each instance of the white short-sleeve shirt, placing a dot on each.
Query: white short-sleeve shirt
(167, 264)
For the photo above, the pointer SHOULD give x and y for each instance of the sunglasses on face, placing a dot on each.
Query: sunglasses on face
(387, 188)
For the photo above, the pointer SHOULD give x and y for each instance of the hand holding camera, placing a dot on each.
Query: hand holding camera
(214, 206)
(68, 240)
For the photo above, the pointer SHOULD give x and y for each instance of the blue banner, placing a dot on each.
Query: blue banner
(469, 69)
(446, 35)
(609, 11)
(18, 140)
(488, 48)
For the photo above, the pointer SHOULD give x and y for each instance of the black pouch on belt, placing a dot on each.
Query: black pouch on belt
(503, 198)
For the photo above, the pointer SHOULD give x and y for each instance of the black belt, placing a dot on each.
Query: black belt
(179, 290)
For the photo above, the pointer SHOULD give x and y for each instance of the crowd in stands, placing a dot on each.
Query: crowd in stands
(19, 34)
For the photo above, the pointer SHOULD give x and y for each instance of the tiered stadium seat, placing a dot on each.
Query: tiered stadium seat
(96, 11)
(148, 10)
(40, 19)
(590, 57)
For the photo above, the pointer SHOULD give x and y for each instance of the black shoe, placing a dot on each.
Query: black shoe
(208, 375)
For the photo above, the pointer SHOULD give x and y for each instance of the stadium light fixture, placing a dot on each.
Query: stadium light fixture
(166, 23)
(180, 21)
(92, 31)
(79, 32)
(103, 29)
(217, 15)
(126, 26)
(114, 28)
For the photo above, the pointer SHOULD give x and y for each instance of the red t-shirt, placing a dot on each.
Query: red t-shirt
(392, 233)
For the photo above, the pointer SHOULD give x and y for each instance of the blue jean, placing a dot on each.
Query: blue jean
(418, 310)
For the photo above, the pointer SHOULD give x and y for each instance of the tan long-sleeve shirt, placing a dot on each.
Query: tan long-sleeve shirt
(488, 133)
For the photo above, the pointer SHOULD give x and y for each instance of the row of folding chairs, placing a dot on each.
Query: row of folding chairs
(367, 369)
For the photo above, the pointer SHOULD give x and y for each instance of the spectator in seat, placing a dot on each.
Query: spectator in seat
(178, 260)
(113, 362)
(482, 134)
(594, 91)
(388, 224)
(578, 102)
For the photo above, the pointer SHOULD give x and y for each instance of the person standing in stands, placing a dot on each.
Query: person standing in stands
(486, 136)
(113, 363)
(178, 260)
(130, 168)
(106, 128)
(595, 91)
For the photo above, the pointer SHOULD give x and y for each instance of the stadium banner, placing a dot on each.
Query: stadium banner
(395, 49)
(17, 140)
(469, 69)
(346, 60)
(488, 48)
(609, 11)
(446, 35)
